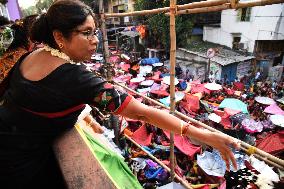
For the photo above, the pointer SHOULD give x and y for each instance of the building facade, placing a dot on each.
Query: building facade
(258, 30)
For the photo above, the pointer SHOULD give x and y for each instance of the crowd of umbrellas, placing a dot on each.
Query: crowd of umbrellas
(252, 113)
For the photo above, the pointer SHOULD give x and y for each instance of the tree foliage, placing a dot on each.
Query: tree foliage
(159, 24)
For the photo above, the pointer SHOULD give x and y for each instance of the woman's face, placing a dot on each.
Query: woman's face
(83, 41)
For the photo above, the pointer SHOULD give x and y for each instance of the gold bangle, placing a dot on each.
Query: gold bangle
(185, 129)
(181, 128)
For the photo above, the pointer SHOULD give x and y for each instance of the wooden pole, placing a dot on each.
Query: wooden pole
(205, 9)
(264, 155)
(105, 41)
(167, 9)
(210, 6)
(258, 3)
(172, 78)
(186, 184)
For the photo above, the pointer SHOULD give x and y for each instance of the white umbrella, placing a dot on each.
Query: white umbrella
(214, 117)
(166, 80)
(211, 164)
(213, 86)
(157, 64)
(281, 100)
(264, 100)
(277, 120)
(172, 185)
(137, 79)
(147, 83)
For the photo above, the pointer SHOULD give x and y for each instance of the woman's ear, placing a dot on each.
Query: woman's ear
(59, 38)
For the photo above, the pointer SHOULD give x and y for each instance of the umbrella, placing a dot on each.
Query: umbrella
(234, 104)
(214, 117)
(178, 96)
(158, 64)
(144, 70)
(213, 86)
(274, 109)
(137, 79)
(166, 80)
(147, 83)
(264, 100)
(252, 126)
(211, 164)
(277, 120)
(172, 185)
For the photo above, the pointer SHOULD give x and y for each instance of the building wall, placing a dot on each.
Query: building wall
(266, 23)
(4, 11)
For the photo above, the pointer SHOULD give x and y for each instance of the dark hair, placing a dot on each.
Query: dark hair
(4, 21)
(21, 30)
(64, 16)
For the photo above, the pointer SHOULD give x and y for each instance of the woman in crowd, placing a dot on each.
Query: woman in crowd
(49, 88)
(18, 43)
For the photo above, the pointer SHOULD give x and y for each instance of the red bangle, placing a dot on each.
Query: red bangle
(184, 130)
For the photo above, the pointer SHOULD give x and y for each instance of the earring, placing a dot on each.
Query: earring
(60, 45)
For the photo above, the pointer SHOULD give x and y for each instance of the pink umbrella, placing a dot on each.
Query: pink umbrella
(274, 109)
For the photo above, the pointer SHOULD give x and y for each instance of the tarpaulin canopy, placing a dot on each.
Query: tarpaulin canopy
(113, 164)
(234, 104)
(184, 145)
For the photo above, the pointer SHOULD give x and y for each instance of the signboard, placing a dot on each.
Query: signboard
(210, 53)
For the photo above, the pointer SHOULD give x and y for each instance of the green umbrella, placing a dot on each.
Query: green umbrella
(234, 104)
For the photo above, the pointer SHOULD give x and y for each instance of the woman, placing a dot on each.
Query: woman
(48, 90)
(19, 44)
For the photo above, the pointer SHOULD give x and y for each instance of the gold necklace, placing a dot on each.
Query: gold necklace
(57, 53)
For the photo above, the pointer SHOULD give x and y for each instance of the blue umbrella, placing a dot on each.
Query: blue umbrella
(234, 104)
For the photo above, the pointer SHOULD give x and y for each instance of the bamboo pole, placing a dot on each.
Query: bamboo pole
(105, 40)
(261, 154)
(167, 9)
(172, 78)
(205, 9)
(186, 184)
(258, 3)
(196, 5)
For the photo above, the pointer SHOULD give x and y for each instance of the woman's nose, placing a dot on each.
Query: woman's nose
(95, 40)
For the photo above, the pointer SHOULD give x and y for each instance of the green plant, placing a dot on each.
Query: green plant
(159, 24)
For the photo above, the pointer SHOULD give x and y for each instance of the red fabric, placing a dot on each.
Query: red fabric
(57, 114)
(273, 143)
(160, 93)
(239, 86)
(142, 137)
(191, 103)
(184, 145)
(123, 105)
(230, 91)
(225, 118)
(199, 89)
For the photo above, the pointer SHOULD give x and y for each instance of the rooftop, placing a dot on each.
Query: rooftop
(225, 55)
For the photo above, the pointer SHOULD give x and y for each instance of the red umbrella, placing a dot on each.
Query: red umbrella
(273, 143)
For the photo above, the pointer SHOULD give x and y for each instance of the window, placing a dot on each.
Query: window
(244, 14)
(236, 42)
